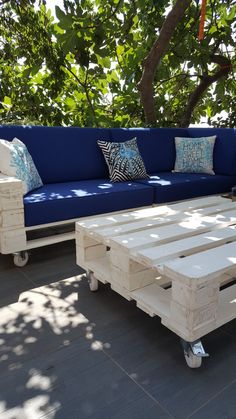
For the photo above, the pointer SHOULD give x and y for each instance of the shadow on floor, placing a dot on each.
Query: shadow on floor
(68, 353)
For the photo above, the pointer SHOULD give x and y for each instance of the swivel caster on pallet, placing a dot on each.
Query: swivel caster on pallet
(193, 353)
(93, 282)
(20, 259)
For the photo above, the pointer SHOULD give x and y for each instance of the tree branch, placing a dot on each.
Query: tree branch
(85, 87)
(153, 59)
(206, 81)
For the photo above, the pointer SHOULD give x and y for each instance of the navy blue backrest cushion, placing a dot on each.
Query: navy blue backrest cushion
(156, 145)
(62, 154)
(224, 155)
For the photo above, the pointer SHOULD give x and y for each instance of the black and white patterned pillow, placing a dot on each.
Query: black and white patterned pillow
(123, 160)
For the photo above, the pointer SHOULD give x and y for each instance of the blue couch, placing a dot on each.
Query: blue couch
(76, 180)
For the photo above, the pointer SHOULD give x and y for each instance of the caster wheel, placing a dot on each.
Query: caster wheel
(193, 353)
(93, 282)
(193, 361)
(21, 259)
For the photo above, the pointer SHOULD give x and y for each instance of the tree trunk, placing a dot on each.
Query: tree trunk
(206, 81)
(153, 59)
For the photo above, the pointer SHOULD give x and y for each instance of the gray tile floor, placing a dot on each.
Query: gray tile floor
(68, 353)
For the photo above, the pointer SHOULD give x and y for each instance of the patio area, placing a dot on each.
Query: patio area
(66, 352)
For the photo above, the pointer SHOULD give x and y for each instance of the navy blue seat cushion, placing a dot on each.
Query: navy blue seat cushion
(62, 154)
(156, 145)
(224, 156)
(64, 201)
(177, 186)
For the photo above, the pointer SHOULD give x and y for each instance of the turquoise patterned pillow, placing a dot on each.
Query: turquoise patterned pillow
(123, 160)
(16, 161)
(194, 155)
(25, 166)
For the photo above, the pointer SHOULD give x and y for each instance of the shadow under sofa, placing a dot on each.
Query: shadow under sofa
(76, 179)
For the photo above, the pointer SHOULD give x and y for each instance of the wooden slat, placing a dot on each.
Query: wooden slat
(49, 225)
(12, 218)
(105, 233)
(227, 305)
(101, 267)
(146, 212)
(205, 265)
(11, 193)
(153, 299)
(184, 247)
(57, 238)
(193, 225)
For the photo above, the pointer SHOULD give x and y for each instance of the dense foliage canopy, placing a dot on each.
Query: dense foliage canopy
(83, 66)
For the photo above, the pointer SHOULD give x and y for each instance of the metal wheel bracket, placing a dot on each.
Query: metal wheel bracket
(195, 347)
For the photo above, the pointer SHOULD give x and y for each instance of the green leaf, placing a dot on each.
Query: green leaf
(70, 103)
(58, 29)
(59, 13)
(6, 103)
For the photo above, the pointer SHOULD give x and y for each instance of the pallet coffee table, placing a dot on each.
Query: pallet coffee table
(177, 261)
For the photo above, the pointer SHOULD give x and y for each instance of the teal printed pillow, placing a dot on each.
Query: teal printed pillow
(194, 155)
(16, 161)
(123, 160)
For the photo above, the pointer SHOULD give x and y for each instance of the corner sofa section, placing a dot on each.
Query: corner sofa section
(157, 148)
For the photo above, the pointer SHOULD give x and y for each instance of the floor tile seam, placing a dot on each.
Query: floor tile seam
(139, 385)
(25, 275)
(218, 393)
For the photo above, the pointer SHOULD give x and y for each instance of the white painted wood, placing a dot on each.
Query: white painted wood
(12, 240)
(132, 281)
(11, 193)
(227, 305)
(46, 241)
(11, 218)
(100, 266)
(91, 252)
(84, 240)
(121, 217)
(120, 290)
(153, 299)
(192, 225)
(147, 245)
(203, 266)
(123, 261)
(195, 298)
(12, 228)
(104, 233)
(191, 320)
(56, 224)
(186, 246)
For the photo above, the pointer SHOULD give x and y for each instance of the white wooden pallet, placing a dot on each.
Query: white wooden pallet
(13, 232)
(171, 259)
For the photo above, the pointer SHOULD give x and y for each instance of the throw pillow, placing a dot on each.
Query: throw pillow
(123, 160)
(15, 160)
(194, 155)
